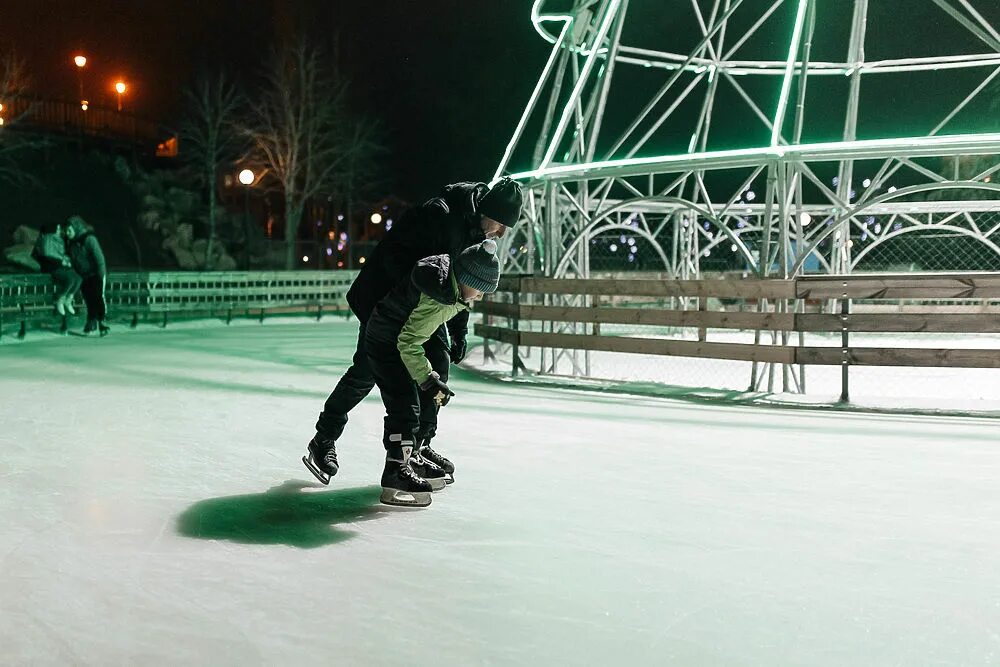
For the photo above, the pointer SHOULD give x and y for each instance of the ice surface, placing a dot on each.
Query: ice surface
(154, 510)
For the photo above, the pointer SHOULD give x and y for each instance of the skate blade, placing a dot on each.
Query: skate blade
(437, 483)
(405, 498)
(319, 474)
(449, 478)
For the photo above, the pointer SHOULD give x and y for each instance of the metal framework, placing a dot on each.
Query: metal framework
(601, 154)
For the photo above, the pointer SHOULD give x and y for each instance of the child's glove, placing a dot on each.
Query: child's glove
(434, 385)
(458, 349)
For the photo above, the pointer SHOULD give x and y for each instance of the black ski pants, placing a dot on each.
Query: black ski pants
(359, 380)
(92, 290)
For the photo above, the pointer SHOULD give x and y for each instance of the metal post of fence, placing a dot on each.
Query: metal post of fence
(845, 361)
(23, 331)
(515, 348)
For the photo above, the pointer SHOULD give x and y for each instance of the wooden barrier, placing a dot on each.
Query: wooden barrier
(787, 299)
(26, 299)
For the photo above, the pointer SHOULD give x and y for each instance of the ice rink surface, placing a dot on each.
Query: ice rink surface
(154, 510)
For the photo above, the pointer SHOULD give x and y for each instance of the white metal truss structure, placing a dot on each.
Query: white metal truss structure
(804, 153)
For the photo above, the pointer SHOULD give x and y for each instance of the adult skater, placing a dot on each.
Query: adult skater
(464, 214)
(88, 260)
(399, 331)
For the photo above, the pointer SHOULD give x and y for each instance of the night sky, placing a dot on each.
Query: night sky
(449, 78)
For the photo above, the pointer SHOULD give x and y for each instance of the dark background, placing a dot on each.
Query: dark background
(449, 78)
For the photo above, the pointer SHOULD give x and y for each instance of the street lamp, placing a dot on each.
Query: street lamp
(246, 177)
(120, 88)
(80, 62)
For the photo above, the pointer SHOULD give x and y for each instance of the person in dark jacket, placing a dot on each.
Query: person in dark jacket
(88, 260)
(50, 253)
(463, 215)
(396, 342)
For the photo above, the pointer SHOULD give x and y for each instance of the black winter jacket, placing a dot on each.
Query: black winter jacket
(447, 224)
(85, 253)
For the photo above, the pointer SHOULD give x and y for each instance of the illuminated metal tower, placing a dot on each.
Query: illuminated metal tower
(621, 134)
(772, 138)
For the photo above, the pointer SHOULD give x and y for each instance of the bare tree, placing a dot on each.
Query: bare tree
(212, 137)
(299, 133)
(13, 107)
(360, 172)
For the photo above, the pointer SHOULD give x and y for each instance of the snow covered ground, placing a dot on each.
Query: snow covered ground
(153, 510)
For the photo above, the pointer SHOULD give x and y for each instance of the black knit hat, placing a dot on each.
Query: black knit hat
(503, 202)
(478, 267)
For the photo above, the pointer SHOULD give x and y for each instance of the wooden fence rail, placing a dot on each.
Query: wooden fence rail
(780, 306)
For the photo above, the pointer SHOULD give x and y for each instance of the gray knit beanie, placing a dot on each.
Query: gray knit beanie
(478, 267)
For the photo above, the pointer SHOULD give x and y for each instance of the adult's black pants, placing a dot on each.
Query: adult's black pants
(92, 290)
(358, 381)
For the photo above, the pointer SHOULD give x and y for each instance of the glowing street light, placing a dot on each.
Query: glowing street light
(246, 177)
(80, 62)
(120, 88)
(84, 104)
(376, 218)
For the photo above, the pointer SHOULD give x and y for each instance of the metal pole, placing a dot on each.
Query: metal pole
(845, 358)
(246, 227)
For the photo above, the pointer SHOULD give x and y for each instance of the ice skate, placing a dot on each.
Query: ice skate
(68, 303)
(61, 306)
(429, 454)
(103, 329)
(321, 458)
(429, 470)
(90, 327)
(400, 485)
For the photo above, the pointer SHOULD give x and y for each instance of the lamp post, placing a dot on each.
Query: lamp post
(120, 88)
(80, 62)
(246, 177)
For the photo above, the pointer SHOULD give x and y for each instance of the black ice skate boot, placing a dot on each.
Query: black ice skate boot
(429, 454)
(400, 485)
(90, 327)
(103, 329)
(429, 470)
(321, 458)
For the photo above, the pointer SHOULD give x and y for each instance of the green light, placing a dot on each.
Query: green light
(609, 14)
(537, 19)
(786, 84)
(986, 143)
(534, 98)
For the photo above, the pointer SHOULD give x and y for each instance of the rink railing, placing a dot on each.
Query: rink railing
(906, 303)
(26, 300)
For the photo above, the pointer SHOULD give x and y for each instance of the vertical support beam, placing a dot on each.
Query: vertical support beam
(845, 352)
(606, 84)
(535, 94)
(856, 58)
(786, 84)
(610, 12)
